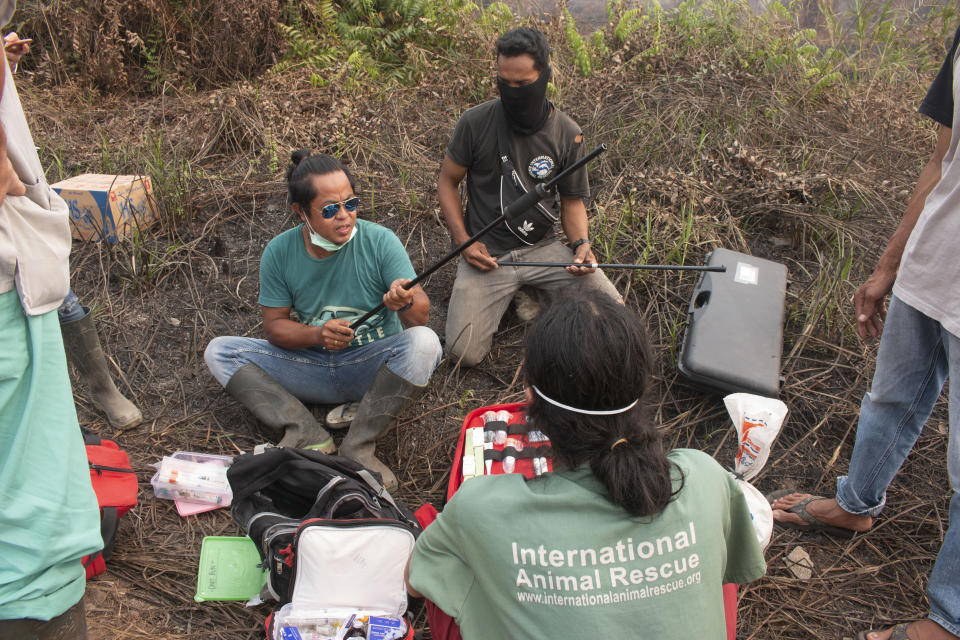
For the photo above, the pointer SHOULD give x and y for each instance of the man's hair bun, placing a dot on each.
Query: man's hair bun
(296, 158)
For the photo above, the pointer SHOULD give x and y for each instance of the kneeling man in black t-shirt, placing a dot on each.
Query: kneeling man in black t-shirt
(541, 141)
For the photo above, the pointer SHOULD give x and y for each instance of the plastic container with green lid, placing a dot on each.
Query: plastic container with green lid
(228, 569)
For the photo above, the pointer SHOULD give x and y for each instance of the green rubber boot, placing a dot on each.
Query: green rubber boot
(278, 410)
(378, 411)
(84, 352)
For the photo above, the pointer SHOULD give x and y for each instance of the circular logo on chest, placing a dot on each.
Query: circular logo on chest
(541, 167)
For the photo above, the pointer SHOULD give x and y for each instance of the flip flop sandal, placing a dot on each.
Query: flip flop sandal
(341, 416)
(814, 523)
(899, 632)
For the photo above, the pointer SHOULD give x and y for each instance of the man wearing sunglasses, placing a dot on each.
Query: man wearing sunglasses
(316, 280)
(539, 141)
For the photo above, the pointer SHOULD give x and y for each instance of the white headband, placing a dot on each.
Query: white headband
(589, 412)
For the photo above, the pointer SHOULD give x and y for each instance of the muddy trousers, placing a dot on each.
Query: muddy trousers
(480, 298)
(70, 625)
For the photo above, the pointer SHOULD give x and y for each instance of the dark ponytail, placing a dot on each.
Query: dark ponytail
(592, 353)
(303, 166)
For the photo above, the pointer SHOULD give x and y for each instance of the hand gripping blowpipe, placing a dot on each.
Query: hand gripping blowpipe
(524, 202)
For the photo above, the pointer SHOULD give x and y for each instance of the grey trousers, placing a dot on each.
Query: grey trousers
(480, 298)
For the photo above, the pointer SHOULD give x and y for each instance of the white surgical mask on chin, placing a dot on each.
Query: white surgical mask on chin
(318, 240)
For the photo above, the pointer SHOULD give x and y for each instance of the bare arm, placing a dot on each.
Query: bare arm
(451, 175)
(9, 180)
(406, 578)
(5, 167)
(285, 333)
(869, 298)
(573, 218)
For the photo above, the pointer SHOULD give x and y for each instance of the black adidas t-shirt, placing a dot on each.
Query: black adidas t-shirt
(544, 154)
(938, 103)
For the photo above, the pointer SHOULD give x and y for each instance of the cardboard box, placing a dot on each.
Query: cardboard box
(108, 207)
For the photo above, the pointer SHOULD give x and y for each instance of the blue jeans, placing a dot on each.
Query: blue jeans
(915, 358)
(318, 376)
(70, 309)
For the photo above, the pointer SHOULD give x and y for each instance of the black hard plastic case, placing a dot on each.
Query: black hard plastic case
(734, 332)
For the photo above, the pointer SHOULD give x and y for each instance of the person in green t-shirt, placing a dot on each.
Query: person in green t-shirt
(623, 539)
(329, 271)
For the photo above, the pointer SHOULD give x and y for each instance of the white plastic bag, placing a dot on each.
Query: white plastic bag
(758, 421)
(760, 512)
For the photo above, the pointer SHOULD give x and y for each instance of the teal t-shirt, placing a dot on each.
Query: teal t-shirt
(554, 558)
(346, 284)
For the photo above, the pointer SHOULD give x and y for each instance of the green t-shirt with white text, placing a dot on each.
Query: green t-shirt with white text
(555, 558)
(346, 284)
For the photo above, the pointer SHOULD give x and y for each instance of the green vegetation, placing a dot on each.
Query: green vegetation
(352, 40)
(575, 42)
(168, 45)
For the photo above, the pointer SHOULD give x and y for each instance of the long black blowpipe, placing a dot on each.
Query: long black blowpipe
(524, 202)
(603, 265)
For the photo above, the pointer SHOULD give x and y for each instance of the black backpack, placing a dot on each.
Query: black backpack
(275, 491)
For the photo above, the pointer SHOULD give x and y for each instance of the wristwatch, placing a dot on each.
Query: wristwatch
(405, 307)
(579, 242)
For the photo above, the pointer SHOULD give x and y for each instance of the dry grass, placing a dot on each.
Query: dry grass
(726, 157)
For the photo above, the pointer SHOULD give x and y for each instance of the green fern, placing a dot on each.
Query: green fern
(305, 50)
(326, 11)
(600, 44)
(628, 24)
(371, 38)
(580, 53)
(614, 10)
(496, 17)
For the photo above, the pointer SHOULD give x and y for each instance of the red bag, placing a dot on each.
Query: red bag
(115, 484)
(442, 626)
(475, 419)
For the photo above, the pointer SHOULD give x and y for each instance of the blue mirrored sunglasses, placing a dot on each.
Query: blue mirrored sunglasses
(330, 210)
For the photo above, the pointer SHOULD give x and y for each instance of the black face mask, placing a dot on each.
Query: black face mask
(526, 107)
